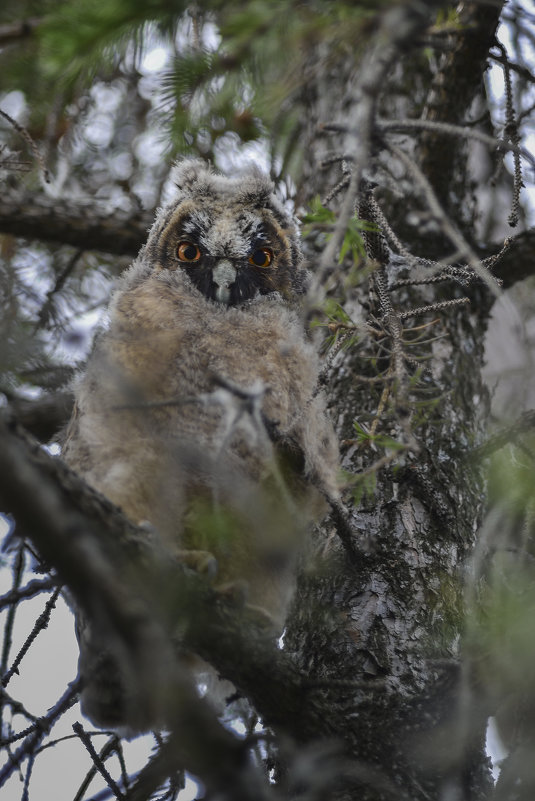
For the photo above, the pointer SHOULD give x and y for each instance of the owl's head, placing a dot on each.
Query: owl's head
(231, 236)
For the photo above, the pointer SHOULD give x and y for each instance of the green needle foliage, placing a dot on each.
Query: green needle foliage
(234, 66)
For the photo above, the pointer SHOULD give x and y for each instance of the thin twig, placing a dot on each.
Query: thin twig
(39, 730)
(29, 141)
(44, 312)
(16, 706)
(25, 791)
(98, 762)
(447, 128)
(40, 624)
(455, 236)
(525, 423)
(18, 570)
(445, 304)
(511, 129)
(31, 589)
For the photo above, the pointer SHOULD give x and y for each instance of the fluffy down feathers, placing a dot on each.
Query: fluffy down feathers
(189, 404)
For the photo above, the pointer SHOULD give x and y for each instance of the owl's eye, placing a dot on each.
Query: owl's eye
(261, 257)
(187, 251)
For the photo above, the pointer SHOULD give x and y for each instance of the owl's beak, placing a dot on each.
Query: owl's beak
(224, 275)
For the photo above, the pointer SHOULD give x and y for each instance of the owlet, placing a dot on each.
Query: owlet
(199, 409)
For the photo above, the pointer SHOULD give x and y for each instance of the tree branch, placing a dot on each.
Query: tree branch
(455, 85)
(89, 542)
(510, 434)
(83, 226)
(93, 547)
(517, 261)
(44, 416)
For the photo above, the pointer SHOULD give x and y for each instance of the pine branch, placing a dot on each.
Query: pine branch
(510, 434)
(21, 130)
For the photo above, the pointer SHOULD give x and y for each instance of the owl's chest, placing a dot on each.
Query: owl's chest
(189, 350)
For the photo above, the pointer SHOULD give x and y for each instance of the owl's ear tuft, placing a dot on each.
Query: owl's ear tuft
(189, 173)
(255, 188)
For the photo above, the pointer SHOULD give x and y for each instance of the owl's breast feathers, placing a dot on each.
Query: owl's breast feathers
(175, 345)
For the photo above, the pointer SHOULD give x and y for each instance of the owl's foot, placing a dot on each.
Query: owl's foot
(201, 561)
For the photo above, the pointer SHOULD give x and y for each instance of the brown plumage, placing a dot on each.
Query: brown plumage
(201, 397)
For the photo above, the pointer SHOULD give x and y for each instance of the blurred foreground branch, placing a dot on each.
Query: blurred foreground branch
(94, 548)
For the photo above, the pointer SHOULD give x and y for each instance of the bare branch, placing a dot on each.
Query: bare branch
(112, 746)
(516, 261)
(40, 624)
(511, 130)
(34, 734)
(97, 761)
(450, 230)
(82, 225)
(31, 589)
(459, 131)
(432, 307)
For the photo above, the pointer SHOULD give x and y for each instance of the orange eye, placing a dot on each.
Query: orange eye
(261, 257)
(187, 251)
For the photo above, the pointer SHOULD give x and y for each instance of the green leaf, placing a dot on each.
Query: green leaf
(353, 241)
(335, 313)
(381, 440)
(318, 213)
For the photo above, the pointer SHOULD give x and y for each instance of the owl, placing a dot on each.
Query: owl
(199, 410)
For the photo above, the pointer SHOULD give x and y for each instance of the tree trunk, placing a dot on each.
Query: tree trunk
(378, 626)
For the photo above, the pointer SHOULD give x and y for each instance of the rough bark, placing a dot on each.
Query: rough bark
(458, 80)
(383, 636)
(45, 416)
(380, 635)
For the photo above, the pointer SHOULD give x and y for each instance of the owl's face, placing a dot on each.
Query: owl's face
(230, 236)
